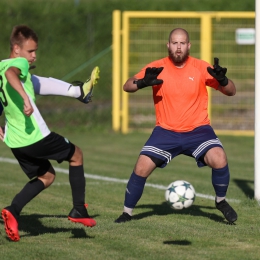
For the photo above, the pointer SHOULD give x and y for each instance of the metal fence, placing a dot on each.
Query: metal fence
(142, 39)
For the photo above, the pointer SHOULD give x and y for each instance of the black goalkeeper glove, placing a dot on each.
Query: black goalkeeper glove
(218, 73)
(150, 78)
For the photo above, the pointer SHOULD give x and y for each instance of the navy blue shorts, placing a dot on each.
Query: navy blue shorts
(34, 158)
(164, 144)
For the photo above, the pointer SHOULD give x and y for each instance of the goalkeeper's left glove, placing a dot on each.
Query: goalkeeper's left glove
(218, 73)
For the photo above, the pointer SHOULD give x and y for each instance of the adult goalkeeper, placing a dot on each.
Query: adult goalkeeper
(182, 124)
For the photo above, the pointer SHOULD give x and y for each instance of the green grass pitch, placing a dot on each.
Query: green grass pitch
(156, 231)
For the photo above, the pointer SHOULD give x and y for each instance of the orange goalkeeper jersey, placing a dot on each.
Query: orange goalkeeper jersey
(181, 101)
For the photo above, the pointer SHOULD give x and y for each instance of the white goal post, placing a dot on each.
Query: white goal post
(257, 101)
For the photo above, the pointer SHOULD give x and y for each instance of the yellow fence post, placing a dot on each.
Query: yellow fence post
(205, 46)
(125, 75)
(116, 79)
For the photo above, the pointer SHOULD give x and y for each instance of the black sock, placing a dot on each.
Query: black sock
(29, 191)
(77, 183)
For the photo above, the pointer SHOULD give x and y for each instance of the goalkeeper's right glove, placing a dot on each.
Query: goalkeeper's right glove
(150, 78)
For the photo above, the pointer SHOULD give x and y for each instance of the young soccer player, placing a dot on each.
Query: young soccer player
(30, 139)
(182, 122)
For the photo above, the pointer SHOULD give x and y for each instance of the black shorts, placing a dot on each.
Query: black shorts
(34, 158)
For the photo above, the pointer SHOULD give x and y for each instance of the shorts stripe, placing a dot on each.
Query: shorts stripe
(206, 144)
(160, 152)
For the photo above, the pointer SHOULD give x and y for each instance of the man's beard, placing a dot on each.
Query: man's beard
(178, 60)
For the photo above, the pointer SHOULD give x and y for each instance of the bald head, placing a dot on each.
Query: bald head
(179, 31)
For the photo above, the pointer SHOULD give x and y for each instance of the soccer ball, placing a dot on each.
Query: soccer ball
(180, 194)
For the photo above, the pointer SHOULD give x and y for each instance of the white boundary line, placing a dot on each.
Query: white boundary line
(109, 179)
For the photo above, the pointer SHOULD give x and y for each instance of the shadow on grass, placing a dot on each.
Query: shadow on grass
(177, 242)
(246, 187)
(164, 209)
(32, 225)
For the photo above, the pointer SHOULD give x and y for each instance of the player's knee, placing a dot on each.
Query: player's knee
(77, 158)
(215, 158)
(51, 179)
(144, 166)
(48, 178)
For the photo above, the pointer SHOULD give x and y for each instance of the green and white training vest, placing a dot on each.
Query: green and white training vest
(20, 130)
